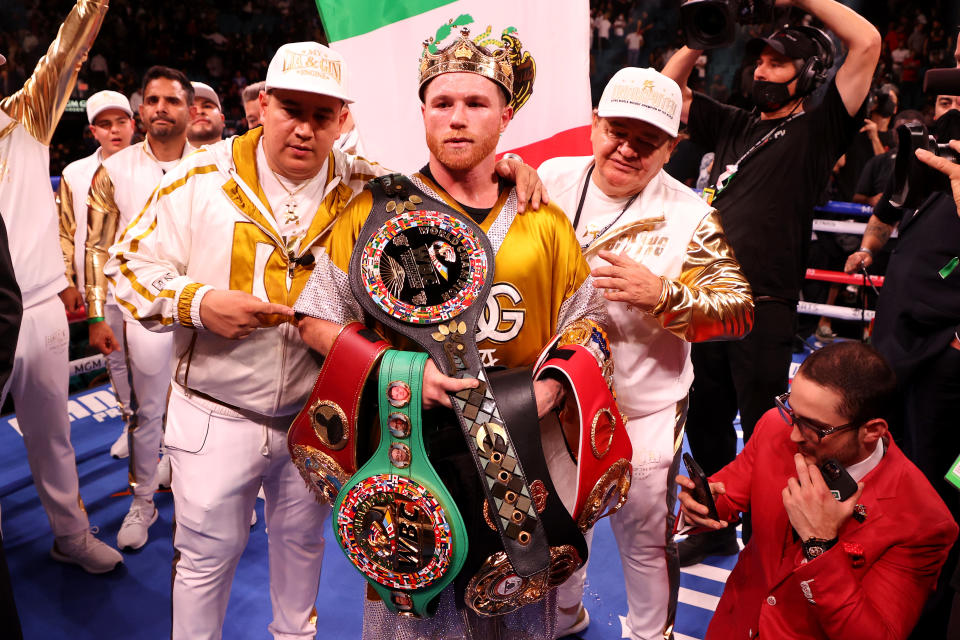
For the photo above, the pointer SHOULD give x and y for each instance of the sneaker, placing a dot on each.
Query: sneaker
(93, 555)
(164, 472)
(133, 531)
(121, 448)
(569, 624)
(696, 548)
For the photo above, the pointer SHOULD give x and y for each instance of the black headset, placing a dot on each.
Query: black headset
(814, 71)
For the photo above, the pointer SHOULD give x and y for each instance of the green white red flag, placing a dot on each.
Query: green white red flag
(382, 41)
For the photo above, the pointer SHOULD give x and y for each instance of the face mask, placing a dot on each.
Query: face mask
(770, 96)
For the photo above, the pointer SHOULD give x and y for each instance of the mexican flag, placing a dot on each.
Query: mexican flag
(382, 41)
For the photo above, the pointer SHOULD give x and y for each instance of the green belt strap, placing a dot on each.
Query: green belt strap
(395, 520)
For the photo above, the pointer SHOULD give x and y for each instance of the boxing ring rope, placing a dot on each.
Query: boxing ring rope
(838, 277)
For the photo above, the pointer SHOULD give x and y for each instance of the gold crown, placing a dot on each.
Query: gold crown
(464, 55)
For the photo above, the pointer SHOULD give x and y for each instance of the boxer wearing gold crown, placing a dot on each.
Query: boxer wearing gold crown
(517, 294)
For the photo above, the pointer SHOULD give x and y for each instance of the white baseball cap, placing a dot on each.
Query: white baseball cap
(310, 67)
(643, 94)
(202, 90)
(103, 100)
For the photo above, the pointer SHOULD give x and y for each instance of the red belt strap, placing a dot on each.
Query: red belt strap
(323, 438)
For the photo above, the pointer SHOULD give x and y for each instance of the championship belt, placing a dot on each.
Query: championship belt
(496, 589)
(394, 519)
(604, 450)
(425, 270)
(323, 437)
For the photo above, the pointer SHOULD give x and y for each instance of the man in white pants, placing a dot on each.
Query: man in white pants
(220, 253)
(111, 124)
(119, 191)
(669, 277)
(41, 370)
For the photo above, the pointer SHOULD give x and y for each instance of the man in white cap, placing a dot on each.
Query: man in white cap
(224, 248)
(111, 124)
(119, 190)
(41, 370)
(669, 277)
(206, 126)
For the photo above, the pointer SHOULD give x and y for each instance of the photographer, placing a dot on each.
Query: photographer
(770, 167)
(819, 567)
(918, 317)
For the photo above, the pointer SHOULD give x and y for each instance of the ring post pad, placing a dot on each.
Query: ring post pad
(323, 437)
(394, 519)
(424, 270)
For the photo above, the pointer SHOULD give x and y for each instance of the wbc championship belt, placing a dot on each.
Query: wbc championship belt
(425, 270)
(394, 519)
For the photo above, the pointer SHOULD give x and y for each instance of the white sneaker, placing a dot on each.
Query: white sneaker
(133, 531)
(93, 555)
(164, 472)
(121, 448)
(571, 623)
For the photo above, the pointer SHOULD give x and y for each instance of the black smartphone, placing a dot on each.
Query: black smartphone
(701, 491)
(840, 483)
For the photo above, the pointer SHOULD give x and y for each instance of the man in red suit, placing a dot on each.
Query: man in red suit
(817, 567)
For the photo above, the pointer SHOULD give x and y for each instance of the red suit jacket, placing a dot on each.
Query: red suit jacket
(871, 585)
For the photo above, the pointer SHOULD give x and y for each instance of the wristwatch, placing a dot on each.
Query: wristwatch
(816, 547)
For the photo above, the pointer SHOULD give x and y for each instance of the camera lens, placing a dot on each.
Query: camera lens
(711, 21)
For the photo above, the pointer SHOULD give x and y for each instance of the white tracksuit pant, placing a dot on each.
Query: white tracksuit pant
(117, 361)
(219, 461)
(148, 364)
(643, 530)
(39, 388)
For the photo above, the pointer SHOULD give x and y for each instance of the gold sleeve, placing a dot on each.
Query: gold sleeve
(40, 103)
(711, 300)
(103, 217)
(68, 228)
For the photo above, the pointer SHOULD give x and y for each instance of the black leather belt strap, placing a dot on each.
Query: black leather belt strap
(514, 390)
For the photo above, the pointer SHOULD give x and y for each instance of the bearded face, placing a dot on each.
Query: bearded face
(463, 116)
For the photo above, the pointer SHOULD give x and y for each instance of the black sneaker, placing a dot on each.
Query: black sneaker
(696, 548)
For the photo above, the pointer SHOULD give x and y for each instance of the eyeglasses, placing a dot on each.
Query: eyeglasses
(792, 419)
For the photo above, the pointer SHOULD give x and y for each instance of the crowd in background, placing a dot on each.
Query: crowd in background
(224, 43)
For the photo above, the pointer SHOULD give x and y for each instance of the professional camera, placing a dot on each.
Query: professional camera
(913, 179)
(708, 24)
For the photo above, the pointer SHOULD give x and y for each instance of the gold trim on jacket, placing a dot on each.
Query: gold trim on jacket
(103, 217)
(68, 228)
(40, 103)
(711, 300)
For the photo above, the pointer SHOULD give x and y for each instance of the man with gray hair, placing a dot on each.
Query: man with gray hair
(669, 277)
(251, 103)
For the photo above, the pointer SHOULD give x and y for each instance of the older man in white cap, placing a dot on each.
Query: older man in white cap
(659, 254)
(206, 126)
(38, 383)
(111, 124)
